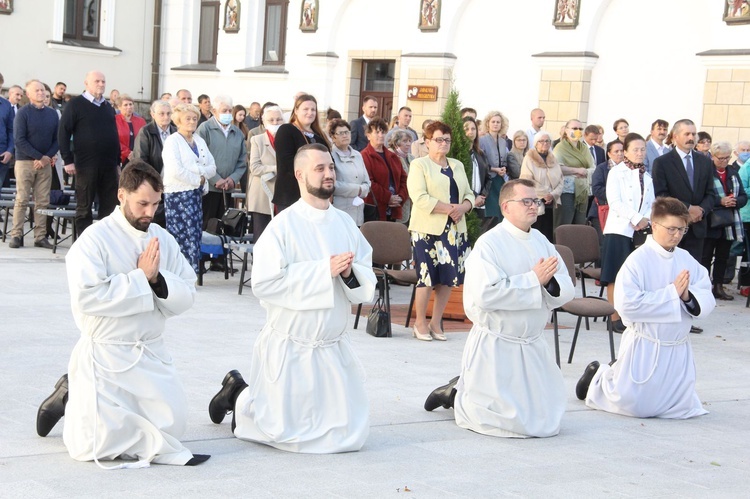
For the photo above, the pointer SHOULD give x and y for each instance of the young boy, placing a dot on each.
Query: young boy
(658, 291)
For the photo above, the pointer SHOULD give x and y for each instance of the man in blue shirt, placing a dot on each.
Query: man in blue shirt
(6, 136)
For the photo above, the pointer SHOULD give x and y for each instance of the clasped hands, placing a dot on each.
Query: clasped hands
(148, 262)
(545, 269)
(341, 264)
(681, 282)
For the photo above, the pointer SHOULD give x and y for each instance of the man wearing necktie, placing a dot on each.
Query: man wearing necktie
(590, 136)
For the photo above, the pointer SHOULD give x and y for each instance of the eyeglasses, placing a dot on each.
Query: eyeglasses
(576, 128)
(442, 140)
(544, 141)
(343, 133)
(528, 202)
(704, 141)
(674, 230)
(722, 159)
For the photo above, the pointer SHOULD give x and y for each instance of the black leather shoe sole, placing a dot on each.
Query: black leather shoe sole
(198, 459)
(223, 402)
(696, 329)
(442, 396)
(582, 387)
(53, 408)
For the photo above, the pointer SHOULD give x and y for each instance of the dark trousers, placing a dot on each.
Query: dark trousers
(544, 223)
(213, 206)
(93, 182)
(716, 249)
(693, 245)
(260, 221)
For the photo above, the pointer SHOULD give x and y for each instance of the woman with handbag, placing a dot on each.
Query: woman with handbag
(188, 164)
(540, 165)
(630, 194)
(615, 153)
(441, 197)
(724, 222)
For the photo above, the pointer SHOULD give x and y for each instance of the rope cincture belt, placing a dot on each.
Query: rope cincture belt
(659, 343)
(142, 346)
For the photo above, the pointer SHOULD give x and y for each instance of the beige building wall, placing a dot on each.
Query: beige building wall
(726, 104)
(564, 95)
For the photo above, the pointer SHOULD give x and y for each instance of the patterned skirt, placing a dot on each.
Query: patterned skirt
(440, 259)
(184, 214)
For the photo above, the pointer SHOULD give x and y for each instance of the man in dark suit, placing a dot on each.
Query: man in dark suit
(672, 174)
(591, 135)
(689, 178)
(369, 111)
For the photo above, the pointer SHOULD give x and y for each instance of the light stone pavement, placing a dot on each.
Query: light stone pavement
(596, 454)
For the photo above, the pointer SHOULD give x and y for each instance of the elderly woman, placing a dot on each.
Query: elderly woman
(495, 148)
(540, 165)
(630, 193)
(150, 142)
(387, 177)
(576, 162)
(441, 196)
(128, 126)
(400, 143)
(352, 181)
(481, 181)
(719, 238)
(303, 128)
(262, 170)
(516, 154)
(621, 128)
(188, 164)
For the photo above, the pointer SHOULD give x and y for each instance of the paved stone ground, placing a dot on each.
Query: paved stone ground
(596, 454)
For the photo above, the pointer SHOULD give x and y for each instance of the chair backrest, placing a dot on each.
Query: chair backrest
(567, 256)
(390, 241)
(582, 241)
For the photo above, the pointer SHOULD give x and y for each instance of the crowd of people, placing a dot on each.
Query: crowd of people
(669, 197)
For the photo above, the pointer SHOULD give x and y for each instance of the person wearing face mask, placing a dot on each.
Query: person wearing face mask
(742, 165)
(227, 145)
(577, 165)
(262, 170)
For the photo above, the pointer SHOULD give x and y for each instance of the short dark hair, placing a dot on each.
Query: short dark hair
(669, 207)
(660, 122)
(202, 97)
(704, 136)
(377, 123)
(679, 124)
(302, 152)
(630, 138)
(437, 126)
(404, 108)
(337, 122)
(610, 145)
(136, 173)
(368, 98)
(61, 83)
(509, 187)
(468, 110)
(591, 129)
(332, 114)
(617, 122)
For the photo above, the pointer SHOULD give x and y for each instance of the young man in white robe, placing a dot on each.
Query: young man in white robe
(510, 384)
(658, 291)
(122, 398)
(305, 392)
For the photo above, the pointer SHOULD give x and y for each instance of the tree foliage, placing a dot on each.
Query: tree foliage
(461, 150)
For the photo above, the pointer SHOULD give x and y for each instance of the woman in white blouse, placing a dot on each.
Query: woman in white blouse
(187, 165)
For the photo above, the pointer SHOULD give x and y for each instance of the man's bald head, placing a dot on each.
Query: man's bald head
(314, 171)
(95, 83)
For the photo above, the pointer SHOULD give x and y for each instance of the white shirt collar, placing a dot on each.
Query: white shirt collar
(92, 99)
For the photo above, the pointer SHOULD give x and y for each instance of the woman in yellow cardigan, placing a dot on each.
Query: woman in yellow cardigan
(441, 195)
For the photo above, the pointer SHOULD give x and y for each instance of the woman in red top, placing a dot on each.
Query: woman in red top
(387, 177)
(128, 125)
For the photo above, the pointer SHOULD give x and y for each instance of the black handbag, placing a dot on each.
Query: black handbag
(378, 321)
(720, 218)
(234, 222)
(371, 213)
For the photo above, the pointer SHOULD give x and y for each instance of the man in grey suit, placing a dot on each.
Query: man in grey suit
(369, 111)
(655, 146)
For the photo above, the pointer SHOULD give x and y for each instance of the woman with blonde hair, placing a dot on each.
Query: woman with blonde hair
(577, 165)
(517, 152)
(495, 148)
(188, 164)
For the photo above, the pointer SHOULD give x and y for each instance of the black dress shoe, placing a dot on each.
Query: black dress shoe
(223, 402)
(720, 294)
(15, 242)
(618, 327)
(582, 387)
(197, 459)
(53, 408)
(443, 396)
(696, 329)
(43, 243)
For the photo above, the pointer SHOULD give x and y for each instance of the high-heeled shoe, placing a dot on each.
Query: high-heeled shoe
(421, 336)
(436, 335)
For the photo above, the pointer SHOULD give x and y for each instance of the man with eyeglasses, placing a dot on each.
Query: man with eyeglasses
(659, 290)
(655, 147)
(510, 385)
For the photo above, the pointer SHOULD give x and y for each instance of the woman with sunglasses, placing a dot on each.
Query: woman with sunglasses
(441, 197)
